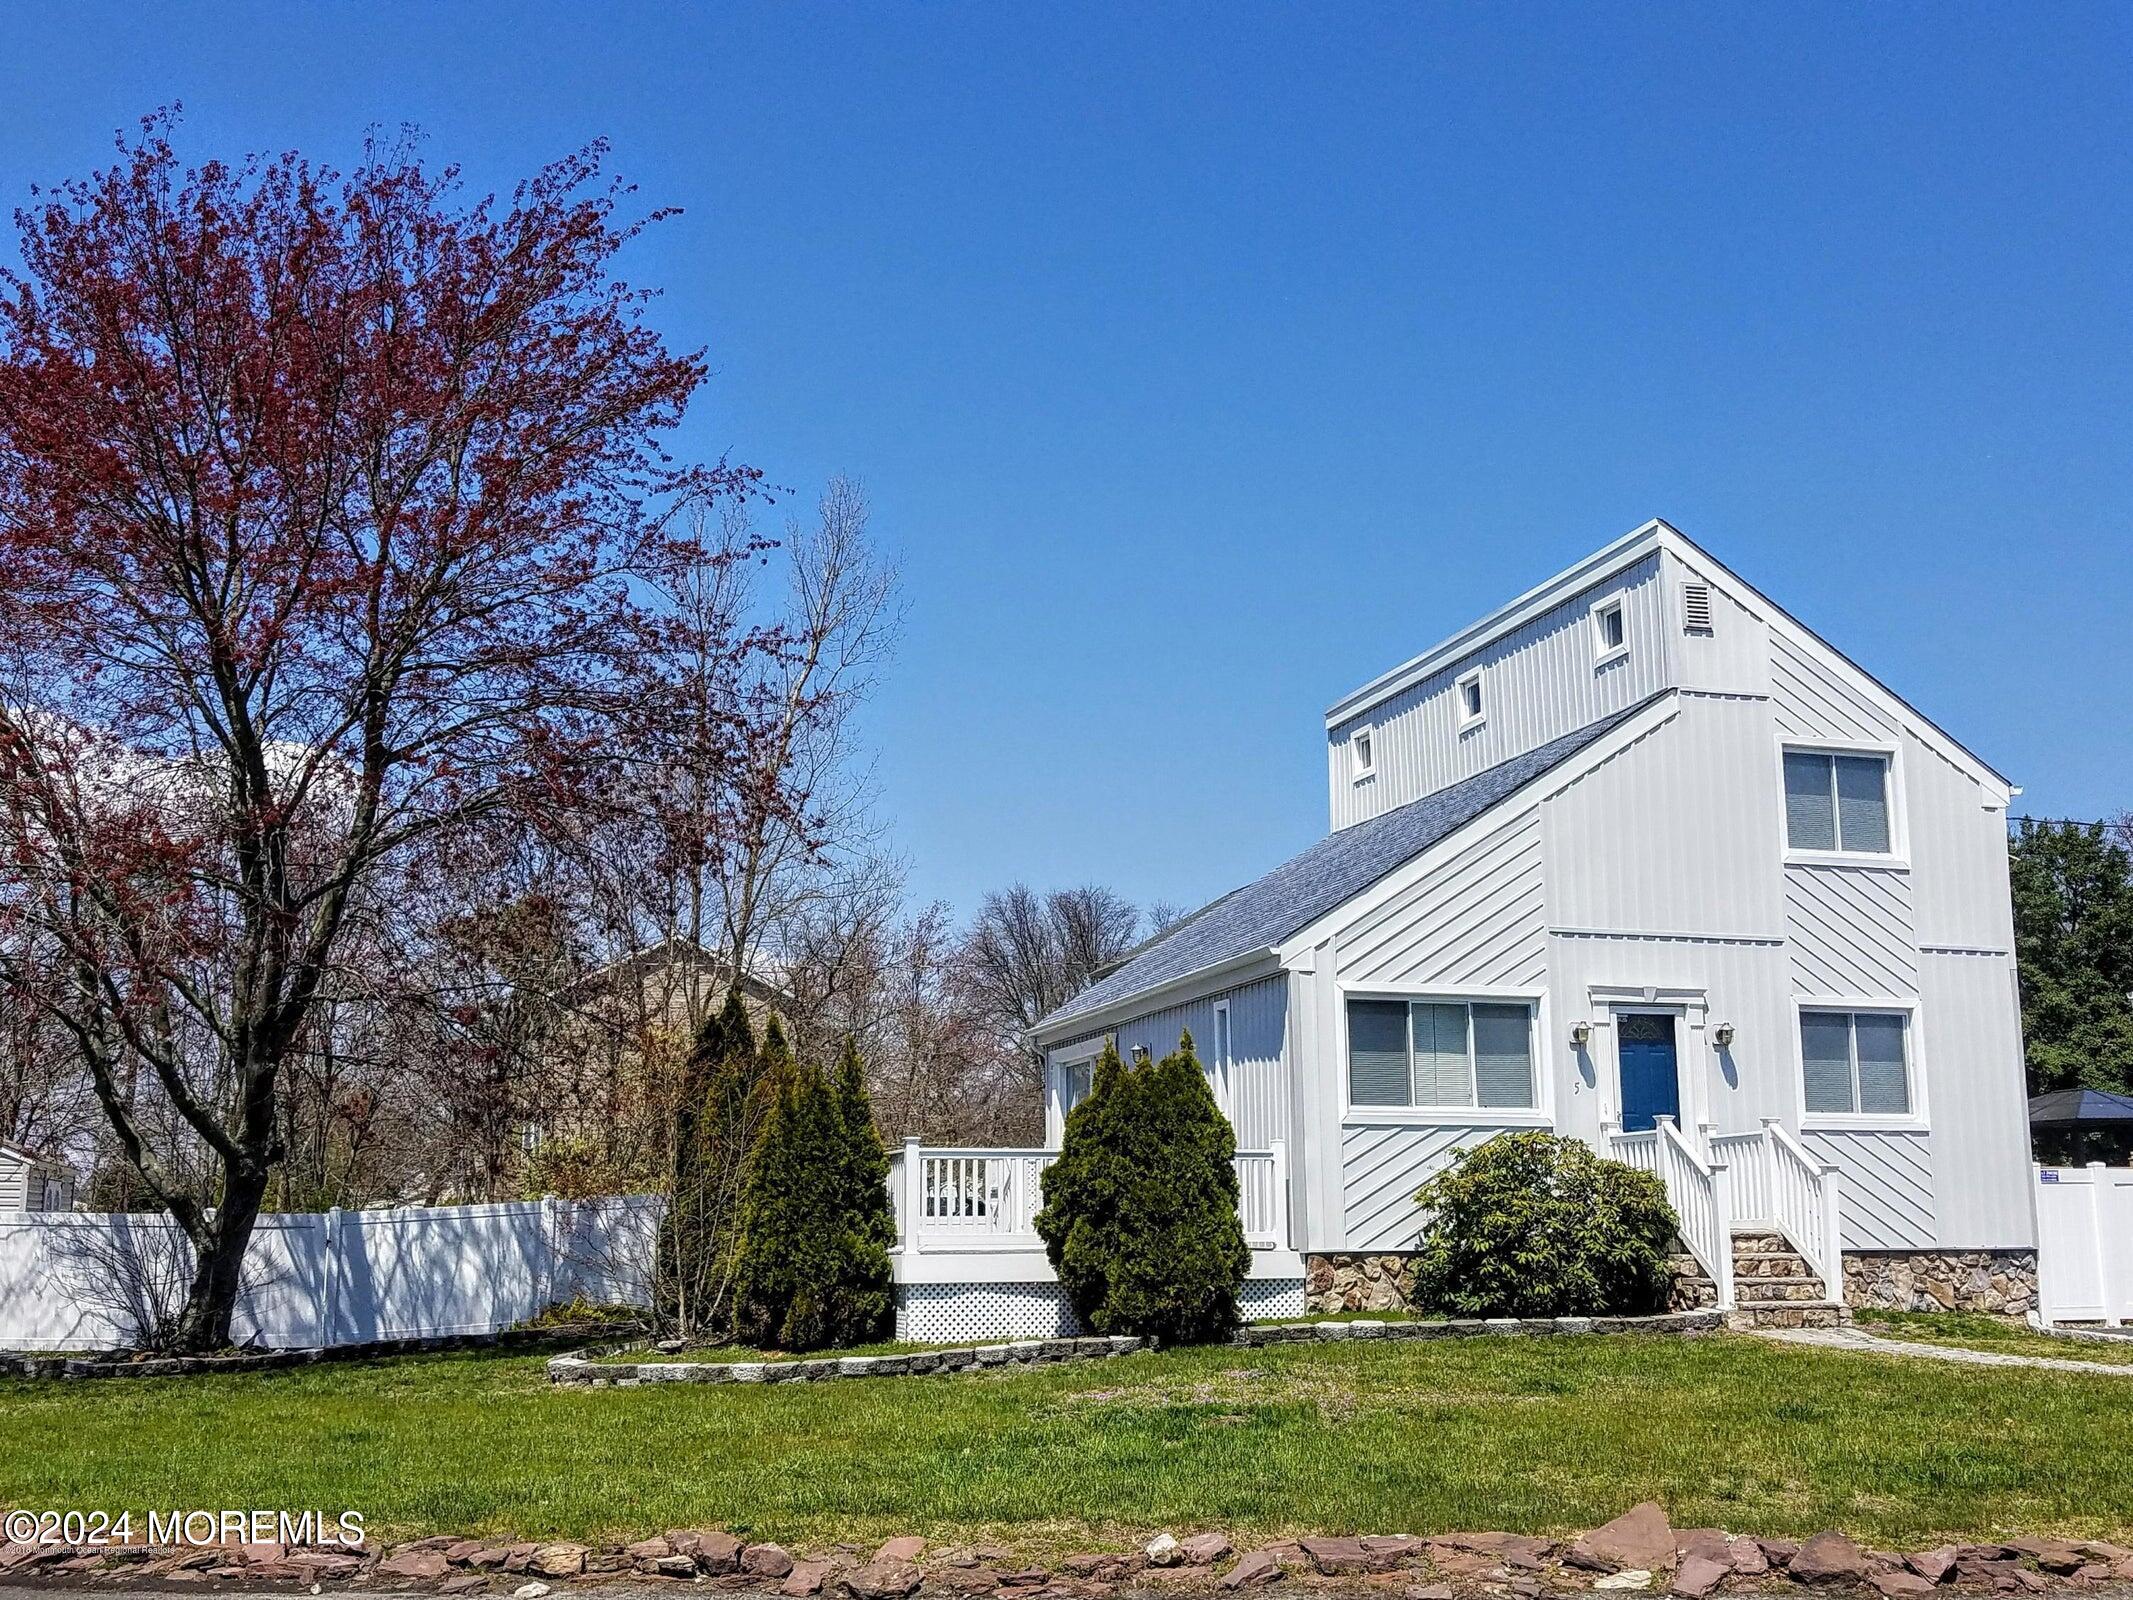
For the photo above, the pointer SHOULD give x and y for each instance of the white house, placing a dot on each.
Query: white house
(1636, 858)
(32, 1182)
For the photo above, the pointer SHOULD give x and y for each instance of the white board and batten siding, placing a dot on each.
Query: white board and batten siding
(1659, 865)
(1539, 682)
(1253, 1088)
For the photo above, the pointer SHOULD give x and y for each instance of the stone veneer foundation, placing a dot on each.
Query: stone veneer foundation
(1997, 1282)
(1385, 1281)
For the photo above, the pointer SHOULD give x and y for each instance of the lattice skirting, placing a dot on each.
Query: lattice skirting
(942, 1313)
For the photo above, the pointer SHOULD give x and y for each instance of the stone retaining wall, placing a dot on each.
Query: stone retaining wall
(588, 1368)
(126, 1364)
(1997, 1282)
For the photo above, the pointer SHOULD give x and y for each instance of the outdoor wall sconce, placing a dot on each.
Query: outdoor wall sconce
(1581, 1034)
(1722, 1036)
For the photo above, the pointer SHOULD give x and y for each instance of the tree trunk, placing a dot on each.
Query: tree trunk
(218, 1262)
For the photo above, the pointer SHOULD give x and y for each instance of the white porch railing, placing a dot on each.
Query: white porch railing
(1778, 1184)
(950, 1200)
(1699, 1190)
(1764, 1179)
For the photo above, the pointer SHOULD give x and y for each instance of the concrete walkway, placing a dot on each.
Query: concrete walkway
(1873, 1344)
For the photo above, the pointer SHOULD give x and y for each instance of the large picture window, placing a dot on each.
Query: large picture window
(1473, 1055)
(1856, 1063)
(1837, 802)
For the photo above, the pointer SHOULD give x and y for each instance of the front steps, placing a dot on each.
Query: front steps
(1773, 1286)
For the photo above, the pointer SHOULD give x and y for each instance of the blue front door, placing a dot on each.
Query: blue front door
(1651, 1085)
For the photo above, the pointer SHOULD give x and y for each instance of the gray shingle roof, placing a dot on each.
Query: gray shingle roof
(1300, 891)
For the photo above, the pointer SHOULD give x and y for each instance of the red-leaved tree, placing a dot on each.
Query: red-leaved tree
(324, 505)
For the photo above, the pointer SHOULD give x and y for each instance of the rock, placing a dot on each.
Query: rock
(1935, 1566)
(2094, 1571)
(464, 1583)
(1388, 1550)
(1513, 1549)
(1899, 1583)
(464, 1551)
(2122, 1569)
(907, 1548)
(1205, 1549)
(1627, 1578)
(883, 1578)
(1025, 1578)
(422, 1566)
(1163, 1551)
(967, 1580)
(1337, 1557)
(529, 1591)
(653, 1549)
(1748, 1558)
(717, 1552)
(1713, 1544)
(1085, 1566)
(1252, 1569)
(557, 1560)
(1828, 1558)
(1639, 1538)
(1698, 1575)
(766, 1561)
(435, 1541)
(263, 1555)
(2053, 1555)
(1428, 1591)
(805, 1578)
(1779, 1551)
(675, 1566)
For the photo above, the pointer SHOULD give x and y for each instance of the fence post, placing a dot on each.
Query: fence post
(2099, 1230)
(329, 1276)
(914, 1192)
(551, 1252)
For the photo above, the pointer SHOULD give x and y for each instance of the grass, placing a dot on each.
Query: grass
(1968, 1331)
(1540, 1435)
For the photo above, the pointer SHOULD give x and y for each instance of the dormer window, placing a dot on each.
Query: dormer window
(1362, 756)
(1610, 631)
(1471, 708)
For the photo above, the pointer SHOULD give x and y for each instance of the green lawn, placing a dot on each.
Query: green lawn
(1971, 1332)
(1540, 1435)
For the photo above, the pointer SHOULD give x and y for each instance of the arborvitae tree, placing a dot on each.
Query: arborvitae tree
(679, 1277)
(1140, 1218)
(814, 1264)
(2073, 917)
(862, 1300)
(718, 1117)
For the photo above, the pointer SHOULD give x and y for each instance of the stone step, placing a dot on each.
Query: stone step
(1773, 1265)
(1789, 1314)
(1770, 1291)
(1760, 1241)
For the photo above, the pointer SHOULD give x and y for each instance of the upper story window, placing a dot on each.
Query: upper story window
(1855, 1063)
(1362, 755)
(1471, 709)
(1837, 802)
(1610, 630)
(1459, 1054)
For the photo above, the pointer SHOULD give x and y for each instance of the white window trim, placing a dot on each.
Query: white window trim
(1897, 858)
(1470, 720)
(1363, 754)
(1603, 653)
(1055, 1106)
(1914, 1121)
(1540, 1115)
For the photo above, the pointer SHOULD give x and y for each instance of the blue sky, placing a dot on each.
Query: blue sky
(1204, 361)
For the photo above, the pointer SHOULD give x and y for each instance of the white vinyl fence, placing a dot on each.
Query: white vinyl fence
(78, 1282)
(2085, 1244)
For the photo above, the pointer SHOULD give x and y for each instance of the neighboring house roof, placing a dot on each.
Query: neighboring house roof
(35, 1158)
(642, 965)
(1297, 893)
(2080, 1108)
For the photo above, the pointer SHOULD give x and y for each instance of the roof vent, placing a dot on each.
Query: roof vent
(1696, 607)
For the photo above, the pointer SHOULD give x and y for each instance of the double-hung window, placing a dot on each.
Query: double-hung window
(1459, 1054)
(1837, 802)
(1856, 1063)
